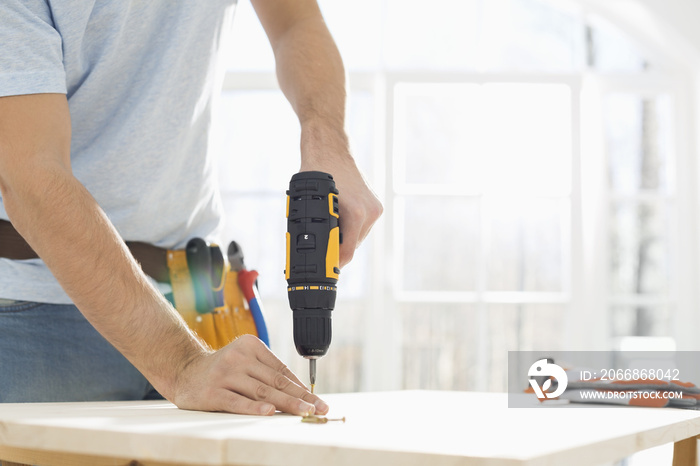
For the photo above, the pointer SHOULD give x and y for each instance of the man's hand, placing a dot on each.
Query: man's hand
(246, 378)
(311, 75)
(359, 206)
(64, 224)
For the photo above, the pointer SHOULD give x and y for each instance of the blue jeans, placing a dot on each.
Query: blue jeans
(50, 352)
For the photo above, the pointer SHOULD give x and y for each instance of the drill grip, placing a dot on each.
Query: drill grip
(313, 232)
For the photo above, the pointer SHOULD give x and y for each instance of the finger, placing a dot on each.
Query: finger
(255, 348)
(280, 367)
(370, 218)
(280, 381)
(268, 358)
(274, 373)
(232, 402)
(292, 376)
(364, 230)
(262, 392)
(351, 238)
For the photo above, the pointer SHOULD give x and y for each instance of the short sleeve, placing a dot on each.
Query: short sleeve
(31, 53)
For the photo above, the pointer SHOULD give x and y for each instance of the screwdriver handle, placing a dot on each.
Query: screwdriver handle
(200, 266)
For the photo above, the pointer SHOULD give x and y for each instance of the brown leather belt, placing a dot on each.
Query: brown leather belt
(153, 259)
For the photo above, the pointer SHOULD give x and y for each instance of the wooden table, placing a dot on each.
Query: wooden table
(389, 428)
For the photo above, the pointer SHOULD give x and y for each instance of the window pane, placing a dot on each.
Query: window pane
(360, 127)
(643, 321)
(439, 35)
(255, 141)
(640, 241)
(639, 142)
(518, 327)
(441, 244)
(610, 49)
(527, 245)
(499, 138)
(440, 346)
(526, 131)
(541, 327)
(530, 35)
(437, 133)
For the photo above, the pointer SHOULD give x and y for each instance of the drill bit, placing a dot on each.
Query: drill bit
(312, 373)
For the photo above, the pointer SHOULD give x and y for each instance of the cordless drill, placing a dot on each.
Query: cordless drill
(313, 262)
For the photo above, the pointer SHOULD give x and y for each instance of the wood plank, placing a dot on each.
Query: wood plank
(406, 428)
(23, 457)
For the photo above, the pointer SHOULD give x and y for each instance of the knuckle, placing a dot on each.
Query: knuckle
(347, 255)
(282, 367)
(355, 212)
(247, 340)
(281, 381)
(378, 208)
(287, 372)
(246, 345)
(376, 213)
(262, 392)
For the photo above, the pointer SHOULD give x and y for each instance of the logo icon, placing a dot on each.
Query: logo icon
(545, 368)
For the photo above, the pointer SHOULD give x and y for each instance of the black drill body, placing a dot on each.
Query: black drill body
(313, 260)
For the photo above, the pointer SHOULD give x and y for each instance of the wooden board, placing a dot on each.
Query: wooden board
(401, 428)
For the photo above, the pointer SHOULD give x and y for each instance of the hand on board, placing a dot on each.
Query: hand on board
(359, 206)
(244, 377)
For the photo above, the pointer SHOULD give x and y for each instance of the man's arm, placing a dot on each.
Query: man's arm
(64, 224)
(311, 75)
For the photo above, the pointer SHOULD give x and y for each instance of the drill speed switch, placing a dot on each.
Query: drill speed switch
(313, 260)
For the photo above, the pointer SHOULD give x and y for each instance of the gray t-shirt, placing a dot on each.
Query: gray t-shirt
(139, 76)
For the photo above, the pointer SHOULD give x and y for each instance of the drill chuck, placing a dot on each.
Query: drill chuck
(313, 259)
(312, 331)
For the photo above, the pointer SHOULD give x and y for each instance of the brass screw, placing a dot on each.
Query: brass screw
(313, 419)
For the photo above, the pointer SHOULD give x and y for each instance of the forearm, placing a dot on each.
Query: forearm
(65, 226)
(311, 75)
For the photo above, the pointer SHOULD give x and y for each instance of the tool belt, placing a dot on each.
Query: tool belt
(217, 298)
